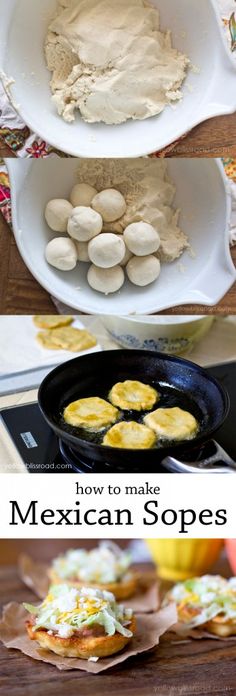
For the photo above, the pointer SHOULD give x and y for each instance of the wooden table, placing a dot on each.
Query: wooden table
(213, 138)
(197, 668)
(20, 293)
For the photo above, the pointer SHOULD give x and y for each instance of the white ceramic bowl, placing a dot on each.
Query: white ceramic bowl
(169, 334)
(197, 31)
(201, 194)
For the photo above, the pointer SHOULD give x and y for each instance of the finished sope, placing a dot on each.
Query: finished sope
(207, 602)
(80, 622)
(106, 567)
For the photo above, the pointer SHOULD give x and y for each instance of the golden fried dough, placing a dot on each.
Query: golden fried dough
(81, 646)
(223, 629)
(172, 423)
(122, 589)
(51, 321)
(133, 396)
(66, 338)
(93, 413)
(130, 435)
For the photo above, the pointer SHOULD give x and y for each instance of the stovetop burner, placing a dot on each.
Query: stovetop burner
(41, 451)
(86, 466)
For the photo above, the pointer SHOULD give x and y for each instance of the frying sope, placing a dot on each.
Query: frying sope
(93, 413)
(207, 602)
(82, 623)
(133, 396)
(172, 423)
(129, 435)
(106, 567)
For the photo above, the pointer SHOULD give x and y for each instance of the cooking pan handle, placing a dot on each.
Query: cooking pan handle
(211, 465)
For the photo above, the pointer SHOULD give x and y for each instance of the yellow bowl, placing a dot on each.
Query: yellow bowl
(179, 559)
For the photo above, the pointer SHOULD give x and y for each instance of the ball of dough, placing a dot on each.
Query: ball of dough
(110, 204)
(143, 271)
(106, 250)
(82, 194)
(57, 213)
(106, 280)
(128, 255)
(141, 238)
(84, 224)
(82, 251)
(61, 253)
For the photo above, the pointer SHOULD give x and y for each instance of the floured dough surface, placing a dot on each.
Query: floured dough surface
(149, 195)
(66, 338)
(111, 61)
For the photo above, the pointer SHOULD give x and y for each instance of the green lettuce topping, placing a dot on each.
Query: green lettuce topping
(67, 609)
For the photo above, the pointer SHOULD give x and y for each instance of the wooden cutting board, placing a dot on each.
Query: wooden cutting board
(199, 667)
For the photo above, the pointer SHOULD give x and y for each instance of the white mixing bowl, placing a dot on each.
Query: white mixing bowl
(209, 91)
(169, 334)
(201, 194)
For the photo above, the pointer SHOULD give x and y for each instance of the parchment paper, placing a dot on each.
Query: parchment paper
(149, 630)
(146, 599)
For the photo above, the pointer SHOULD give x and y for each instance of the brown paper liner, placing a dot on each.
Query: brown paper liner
(146, 599)
(180, 634)
(149, 630)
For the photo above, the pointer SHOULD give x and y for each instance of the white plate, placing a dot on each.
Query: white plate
(197, 31)
(20, 351)
(205, 203)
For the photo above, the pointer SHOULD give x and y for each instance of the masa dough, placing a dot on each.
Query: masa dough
(52, 321)
(149, 195)
(130, 435)
(92, 412)
(66, 338)
(111, 61)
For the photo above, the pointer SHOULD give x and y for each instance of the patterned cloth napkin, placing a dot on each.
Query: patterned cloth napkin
(24, 143)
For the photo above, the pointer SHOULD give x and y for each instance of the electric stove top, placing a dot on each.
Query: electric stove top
(42, 452)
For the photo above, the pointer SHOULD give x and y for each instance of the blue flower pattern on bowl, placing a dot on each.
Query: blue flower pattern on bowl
(164, 345)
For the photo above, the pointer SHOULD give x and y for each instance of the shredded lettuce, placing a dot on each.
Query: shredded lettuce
(200, 600)
(67, 609)
(105, 564)
(31, 608)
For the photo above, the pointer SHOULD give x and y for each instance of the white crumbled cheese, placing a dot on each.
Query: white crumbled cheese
(61, 612)
(105, 564)
(65, 631)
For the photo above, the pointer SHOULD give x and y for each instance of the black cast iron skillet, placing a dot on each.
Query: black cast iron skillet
(179, 382)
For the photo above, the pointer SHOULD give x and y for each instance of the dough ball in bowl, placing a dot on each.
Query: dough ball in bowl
(82, 194)
(84, 224)
(106, 280)
(141, 238)
(82, 251)
(61, 253)
(57, 213)
(143, 270)
(110, 204)
(128, 254)
(106, 250)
